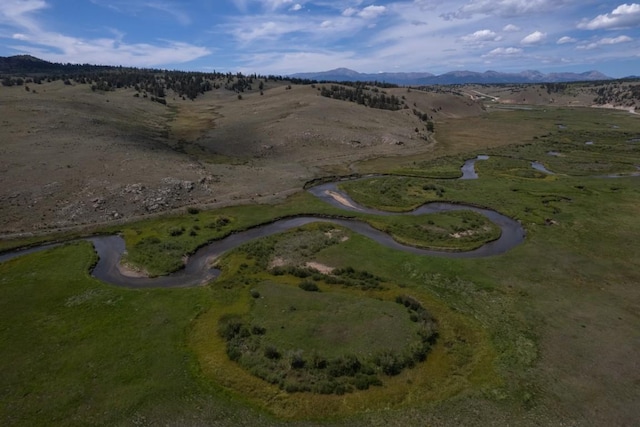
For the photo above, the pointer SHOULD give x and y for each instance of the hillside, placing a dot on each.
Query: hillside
(76, 154)
(30, 65)
(622, 94)
(88, 144)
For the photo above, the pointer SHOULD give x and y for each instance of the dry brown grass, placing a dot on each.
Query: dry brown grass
(72, 156)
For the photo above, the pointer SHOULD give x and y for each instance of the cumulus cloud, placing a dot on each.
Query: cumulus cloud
(623, 16)
(296, 7)
(534, 38)
(481, 36)
(606, 41)
(504, 51)
(510, 28)
(371, 12)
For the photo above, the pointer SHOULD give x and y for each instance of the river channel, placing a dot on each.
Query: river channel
(198, 270)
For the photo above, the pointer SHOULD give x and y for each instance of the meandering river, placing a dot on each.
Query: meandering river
(198, 268)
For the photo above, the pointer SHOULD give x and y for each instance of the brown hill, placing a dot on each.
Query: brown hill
(72, 156)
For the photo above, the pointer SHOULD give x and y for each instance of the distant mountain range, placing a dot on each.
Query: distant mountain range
(453, 77)
(27, 64)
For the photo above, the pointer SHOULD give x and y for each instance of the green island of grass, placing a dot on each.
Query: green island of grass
(327, 342)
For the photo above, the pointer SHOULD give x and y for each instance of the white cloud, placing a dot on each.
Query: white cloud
(16, 8)
(263, 32)
(504, 8)
(616, 40)
(57, 47)
(349, 11)
(275, 4)
(110, 52)
(293, 62)
(510, 28)
(270, 5)
(369, 12)
(427, 4)
(623, 16)
(372, 12)
(534, 38)
(606, 41)
(296, 7)
(250, 31)
(565, 40)
(504, 51)
(481, 36)
(17, 13)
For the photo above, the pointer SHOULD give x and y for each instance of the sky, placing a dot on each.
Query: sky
(288, 36)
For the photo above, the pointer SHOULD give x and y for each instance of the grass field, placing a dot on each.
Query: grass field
(542, 335)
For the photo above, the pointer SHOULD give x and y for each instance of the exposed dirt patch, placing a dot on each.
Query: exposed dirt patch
(341, 199)
(277, 262)
(129, 271)
(324, 269)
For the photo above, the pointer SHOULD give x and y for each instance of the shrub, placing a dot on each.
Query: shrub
(230, 329)
(258, 330)
(297, 361)
(176, 231)
(308, 286)
(270, 352)
(344, 366)
(389, 363)
(233, 353)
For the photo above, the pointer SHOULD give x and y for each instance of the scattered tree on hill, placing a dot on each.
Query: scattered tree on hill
(363, 95)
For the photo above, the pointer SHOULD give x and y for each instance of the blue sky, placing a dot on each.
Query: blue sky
(288, 36)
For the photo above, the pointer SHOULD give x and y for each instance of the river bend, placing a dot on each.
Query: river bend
(198, 270)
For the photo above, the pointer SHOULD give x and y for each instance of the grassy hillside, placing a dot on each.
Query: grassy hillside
(72, 156)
